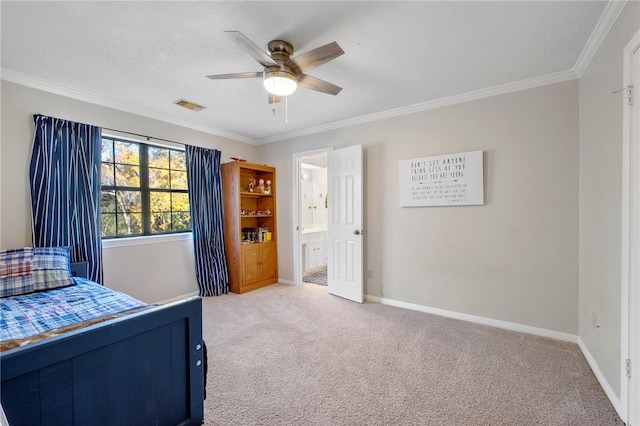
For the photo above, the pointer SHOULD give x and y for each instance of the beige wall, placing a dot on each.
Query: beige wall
(151, 272)
(515, 258)
(601, 196)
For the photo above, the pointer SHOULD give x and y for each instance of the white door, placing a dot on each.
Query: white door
(630, 336)
(344, 227)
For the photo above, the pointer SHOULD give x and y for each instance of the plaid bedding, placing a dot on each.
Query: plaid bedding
(30, 314)
(15, 263)
(15, 271)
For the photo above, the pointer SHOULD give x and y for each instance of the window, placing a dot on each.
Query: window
(144, 189)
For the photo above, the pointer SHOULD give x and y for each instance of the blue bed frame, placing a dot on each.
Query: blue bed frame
(145, 368)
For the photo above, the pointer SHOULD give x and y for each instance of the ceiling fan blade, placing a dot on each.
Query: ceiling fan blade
(314, 58)
(314, 83)
(250, 47)
(235, 75)
(274, 99)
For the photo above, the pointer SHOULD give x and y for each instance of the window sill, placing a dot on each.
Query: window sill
(147, 239)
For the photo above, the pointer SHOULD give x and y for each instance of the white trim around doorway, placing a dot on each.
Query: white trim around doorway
(630, 305)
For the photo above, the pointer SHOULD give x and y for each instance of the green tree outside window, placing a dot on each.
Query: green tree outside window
(144, 189)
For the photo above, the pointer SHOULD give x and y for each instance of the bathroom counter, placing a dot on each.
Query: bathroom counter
(314, 229)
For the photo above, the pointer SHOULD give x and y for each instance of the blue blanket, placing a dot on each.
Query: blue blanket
(30, 314)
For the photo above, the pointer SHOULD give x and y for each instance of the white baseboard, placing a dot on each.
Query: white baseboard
(287, 282)
(615, 401)
(175, 299)
(552, 334)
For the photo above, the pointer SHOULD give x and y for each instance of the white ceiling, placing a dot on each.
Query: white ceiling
(143, 56)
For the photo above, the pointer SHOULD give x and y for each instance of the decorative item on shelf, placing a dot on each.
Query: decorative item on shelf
(245, 213)
(251, 235)
(252, 183)
(261, 186)
(262, 232)
(241, 160)
(267, 188)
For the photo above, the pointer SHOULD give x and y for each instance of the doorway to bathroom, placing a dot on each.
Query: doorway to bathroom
(311, 211)
(313, 200)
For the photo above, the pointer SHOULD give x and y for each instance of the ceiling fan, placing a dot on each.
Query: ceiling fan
(282, 73)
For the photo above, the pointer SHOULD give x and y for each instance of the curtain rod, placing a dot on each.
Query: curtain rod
(148, 138)
(120, 131)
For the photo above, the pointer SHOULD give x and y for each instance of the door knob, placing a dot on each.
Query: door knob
(356, 232)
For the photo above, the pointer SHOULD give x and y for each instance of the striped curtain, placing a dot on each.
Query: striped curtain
(65, 189)
(205, 200)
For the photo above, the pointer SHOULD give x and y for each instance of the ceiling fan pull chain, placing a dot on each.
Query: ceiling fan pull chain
(286, 110)
(273, 102)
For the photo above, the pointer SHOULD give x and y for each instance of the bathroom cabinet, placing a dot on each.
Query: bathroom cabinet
(314, 250)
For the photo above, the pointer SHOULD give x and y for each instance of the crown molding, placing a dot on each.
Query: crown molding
(530, 83)
(47, 86)
(502, 89)
(607, 19)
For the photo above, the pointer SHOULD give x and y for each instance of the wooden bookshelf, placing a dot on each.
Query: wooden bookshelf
(252, 254)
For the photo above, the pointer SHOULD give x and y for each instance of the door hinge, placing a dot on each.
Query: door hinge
(628, 367)
(628, 89)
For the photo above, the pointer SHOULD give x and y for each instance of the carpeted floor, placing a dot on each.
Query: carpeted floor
(287, 355)
(318, 277)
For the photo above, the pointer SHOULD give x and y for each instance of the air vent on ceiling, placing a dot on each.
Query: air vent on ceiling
(189, 105)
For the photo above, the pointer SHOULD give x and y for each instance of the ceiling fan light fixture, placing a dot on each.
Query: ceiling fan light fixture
(280, 83)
